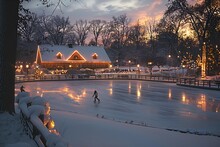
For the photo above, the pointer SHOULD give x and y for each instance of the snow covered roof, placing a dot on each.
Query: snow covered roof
(62, 53)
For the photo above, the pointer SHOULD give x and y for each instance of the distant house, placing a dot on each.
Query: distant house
(66, 57)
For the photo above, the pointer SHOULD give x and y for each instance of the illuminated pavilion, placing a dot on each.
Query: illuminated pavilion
(75, 57)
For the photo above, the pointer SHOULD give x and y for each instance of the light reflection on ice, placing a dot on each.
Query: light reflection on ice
(170, 94)
(160, 104)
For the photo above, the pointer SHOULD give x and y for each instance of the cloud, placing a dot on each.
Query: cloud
(154, 10)
(105, 9)
(116, 5)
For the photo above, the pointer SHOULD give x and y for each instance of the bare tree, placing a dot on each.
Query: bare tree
(81, 29)
(151, 30)
(96, 28)
(120, 30)
(136, 35)
(106, 35)
(56, 28)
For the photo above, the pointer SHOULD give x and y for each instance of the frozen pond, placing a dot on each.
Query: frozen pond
(161, 105)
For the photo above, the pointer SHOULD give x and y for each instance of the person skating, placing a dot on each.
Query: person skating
(95, 95)
(22, 88)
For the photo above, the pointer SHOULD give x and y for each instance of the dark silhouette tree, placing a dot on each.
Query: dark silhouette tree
(96, 27)
(8, 39)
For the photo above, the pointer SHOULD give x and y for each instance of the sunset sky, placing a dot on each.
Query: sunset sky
(104, 9)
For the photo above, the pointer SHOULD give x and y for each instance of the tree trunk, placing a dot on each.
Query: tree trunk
(8, 43)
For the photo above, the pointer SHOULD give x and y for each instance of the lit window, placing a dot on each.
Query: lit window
(75, 57)
(59, 55)
(95, 56)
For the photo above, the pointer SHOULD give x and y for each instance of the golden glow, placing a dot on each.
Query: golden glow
(203, 70)
(170, 94)
(59, 55)
(75, 52)
(185, 100)
(186, 31)
(95, 56)
(70, 93)
(138, 90)
(38, 54)
(51, 124)
(201, 102)
(110, 91)
(129, 87)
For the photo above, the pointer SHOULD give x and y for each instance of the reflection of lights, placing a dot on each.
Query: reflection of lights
(71, 95)
(184, 99)
(139, 85)
(138, 90)
(138, 93)
(201, 103)
(84, 93)
(110, 91)
(169, 94)
(129, 87)
(65, 89)
(51, 91)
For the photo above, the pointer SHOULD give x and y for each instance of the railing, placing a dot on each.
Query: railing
(190, 82)
(111, 76)
(35, 117)
(193, 82)
(32, 131)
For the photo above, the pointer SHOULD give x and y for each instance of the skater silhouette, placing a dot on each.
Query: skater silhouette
(22, 88)
(95, 95)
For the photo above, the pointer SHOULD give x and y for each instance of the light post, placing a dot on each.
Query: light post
(116, 63)
(129, 65)
(170, 64)
(27, 66)
(150, 67)
(110, 68)
(138, 69)
(183, 66)
(203, 70)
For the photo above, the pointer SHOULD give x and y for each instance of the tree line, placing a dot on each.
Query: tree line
(175, 40)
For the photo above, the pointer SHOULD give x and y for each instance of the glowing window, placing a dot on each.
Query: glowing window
(75, 57)
(95, 56)
(59, 55)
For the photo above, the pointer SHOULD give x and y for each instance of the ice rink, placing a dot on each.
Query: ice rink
(160, 105)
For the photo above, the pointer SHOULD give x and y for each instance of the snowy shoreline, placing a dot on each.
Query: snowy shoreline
(90, 131)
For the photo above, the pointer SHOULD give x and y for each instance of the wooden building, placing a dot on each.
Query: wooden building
(74, 57)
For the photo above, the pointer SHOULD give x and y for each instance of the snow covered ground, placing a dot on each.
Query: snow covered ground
(132, 113)
(11, 132)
